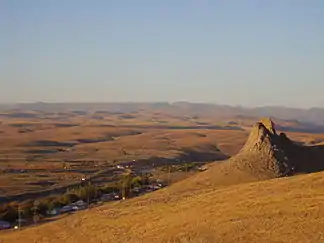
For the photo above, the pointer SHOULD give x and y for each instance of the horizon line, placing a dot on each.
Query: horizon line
(156, 102)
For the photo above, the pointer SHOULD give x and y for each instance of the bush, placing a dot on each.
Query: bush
(9, 212)
(137, 181)
(68, 198)
(85, 192)
(27, 209)
(108, 189)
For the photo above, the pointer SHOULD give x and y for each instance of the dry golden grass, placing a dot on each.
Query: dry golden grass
(165, 143)
(11, 141)
(212, 206)
(279, 210)
(229, 142)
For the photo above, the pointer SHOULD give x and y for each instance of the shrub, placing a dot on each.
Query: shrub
(68, 198)
(85, 192)
(9, 212)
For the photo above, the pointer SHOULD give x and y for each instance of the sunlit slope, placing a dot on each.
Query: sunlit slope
(281, 210)
(251, 197)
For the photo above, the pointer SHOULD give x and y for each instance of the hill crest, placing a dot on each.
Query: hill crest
(265, 155)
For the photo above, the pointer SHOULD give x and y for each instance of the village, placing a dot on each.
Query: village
(87, 195)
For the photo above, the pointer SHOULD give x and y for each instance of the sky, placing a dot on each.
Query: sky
(248, 53)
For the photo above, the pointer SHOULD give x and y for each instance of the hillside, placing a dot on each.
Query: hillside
(283, 210)
(252, 197)
(265, 155)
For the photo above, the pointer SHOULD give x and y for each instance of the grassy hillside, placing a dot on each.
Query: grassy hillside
(288, 209)
(225, 203)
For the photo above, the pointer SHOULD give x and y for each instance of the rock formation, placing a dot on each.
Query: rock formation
(269, 155)
(265, 155)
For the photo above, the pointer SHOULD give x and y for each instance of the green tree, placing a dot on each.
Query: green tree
(9, 212)
(68, 198)
(136, 181)
(26, 209)
(86, 192)
(145, 179)
(126, 185)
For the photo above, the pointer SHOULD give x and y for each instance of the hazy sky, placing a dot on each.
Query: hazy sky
(235, 52)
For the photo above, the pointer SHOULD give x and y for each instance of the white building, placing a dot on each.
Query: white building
(65, 209)
(4, 225)
(52, 212)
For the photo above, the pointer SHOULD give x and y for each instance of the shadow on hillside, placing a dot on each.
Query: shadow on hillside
(170, 127)
(109, 137)
(188, 155)
(304, 129)
(20, 115)
(305, 159)
(313, 160)
(202, 156)
(27, 125)
(42, 151)
(49, 143)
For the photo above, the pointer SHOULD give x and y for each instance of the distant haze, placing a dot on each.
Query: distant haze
(249, 53)
(313, 116)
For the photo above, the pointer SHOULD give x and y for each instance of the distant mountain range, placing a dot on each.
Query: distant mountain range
(313, 115)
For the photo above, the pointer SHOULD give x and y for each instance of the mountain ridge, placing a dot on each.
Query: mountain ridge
(314, 115)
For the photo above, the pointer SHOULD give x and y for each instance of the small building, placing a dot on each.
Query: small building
(21, 222)
(107, 197)
(75, 208)
(203, 168)
(4, 225)
(110, 197)
(66, 209)
(160, 183)
(156, 187)
(148, 188)
(53, 212)
(116, 197)
(79, 205)
(136, 190)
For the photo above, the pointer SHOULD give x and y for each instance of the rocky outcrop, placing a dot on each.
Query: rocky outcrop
(267, 154)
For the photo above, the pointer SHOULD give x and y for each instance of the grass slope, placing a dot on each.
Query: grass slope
(289, 209)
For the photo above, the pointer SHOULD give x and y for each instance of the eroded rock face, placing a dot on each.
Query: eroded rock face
(263, 154)
(268, 155)
(269, 125)
(260, 137)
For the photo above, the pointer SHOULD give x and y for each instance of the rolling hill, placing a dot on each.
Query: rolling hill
(279, 210)
(313, 115)
(252, 197)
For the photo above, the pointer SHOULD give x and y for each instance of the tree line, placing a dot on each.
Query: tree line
(86, 191)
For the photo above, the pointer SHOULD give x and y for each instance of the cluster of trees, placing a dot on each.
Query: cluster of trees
(27, 209)
(129, 182)
(87, 192)
(180, 167)
(10, 212)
